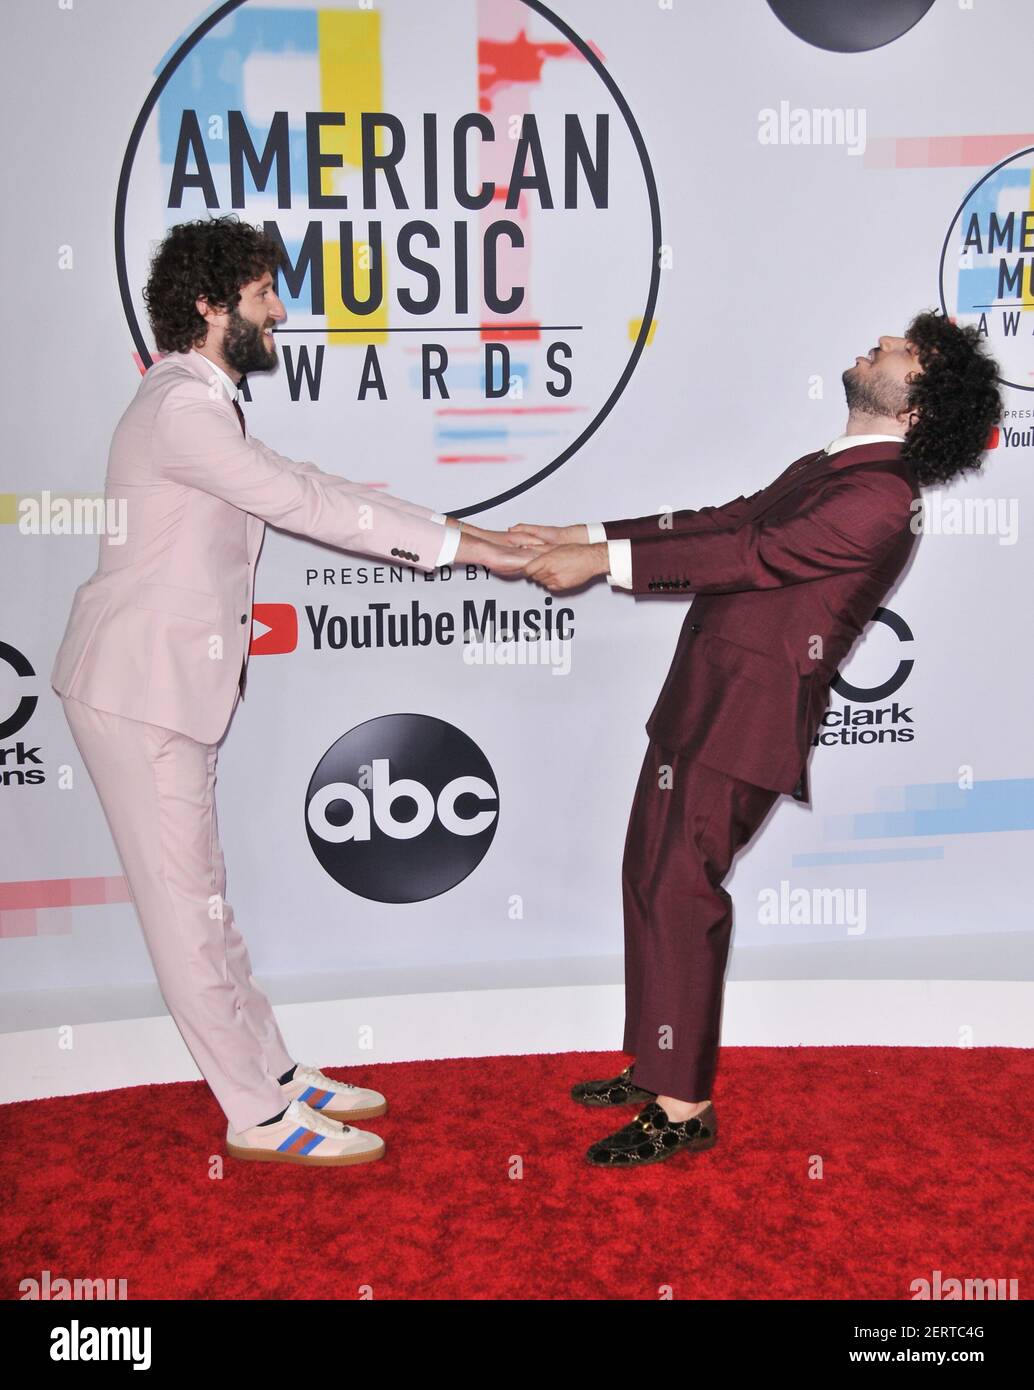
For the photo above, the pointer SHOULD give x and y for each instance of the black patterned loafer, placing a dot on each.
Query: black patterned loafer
(652, 1137)
(619, 1090)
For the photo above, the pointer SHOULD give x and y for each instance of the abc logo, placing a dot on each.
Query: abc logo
(401, 808)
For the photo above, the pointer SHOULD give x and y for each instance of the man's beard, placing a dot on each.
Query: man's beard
(873, 394)
(244, 347)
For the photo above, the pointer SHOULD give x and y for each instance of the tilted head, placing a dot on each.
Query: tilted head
(939, 386)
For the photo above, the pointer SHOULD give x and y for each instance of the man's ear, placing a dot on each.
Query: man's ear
(207, 311)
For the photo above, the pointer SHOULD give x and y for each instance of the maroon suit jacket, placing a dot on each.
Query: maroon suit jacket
(785, 582)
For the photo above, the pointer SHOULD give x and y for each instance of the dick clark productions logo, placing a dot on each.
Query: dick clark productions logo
(402, 808)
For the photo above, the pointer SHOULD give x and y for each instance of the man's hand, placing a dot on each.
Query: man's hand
(551, 535)
(568, 566)
(504, 538)
(507, 559)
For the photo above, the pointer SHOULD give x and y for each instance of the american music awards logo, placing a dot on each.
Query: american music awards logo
(987, 265)
(472, 238)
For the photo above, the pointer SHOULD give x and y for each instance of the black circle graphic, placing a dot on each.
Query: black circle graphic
(402, 808)
(861, 694)
(216, 17)
(849, 26)
(26, 706)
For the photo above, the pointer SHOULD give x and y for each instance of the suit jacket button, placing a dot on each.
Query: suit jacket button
(244, 617)
(394, 551)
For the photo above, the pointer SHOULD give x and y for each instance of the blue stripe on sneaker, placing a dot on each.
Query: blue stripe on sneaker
(325, 1097)
(293, 1143)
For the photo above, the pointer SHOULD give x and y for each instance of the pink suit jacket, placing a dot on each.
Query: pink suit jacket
(161, 631)
(784, 583)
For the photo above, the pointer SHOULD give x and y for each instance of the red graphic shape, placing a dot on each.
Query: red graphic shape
(282, 621)
(505, 63)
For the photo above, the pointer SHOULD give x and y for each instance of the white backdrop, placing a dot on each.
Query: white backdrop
(779, 262)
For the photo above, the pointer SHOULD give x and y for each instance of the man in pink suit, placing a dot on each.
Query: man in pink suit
(154, 659)
(784, 582)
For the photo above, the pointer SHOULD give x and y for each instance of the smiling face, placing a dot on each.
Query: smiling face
(878, 384)
(243, 335)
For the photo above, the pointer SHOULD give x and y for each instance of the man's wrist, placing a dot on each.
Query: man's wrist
(601, 552)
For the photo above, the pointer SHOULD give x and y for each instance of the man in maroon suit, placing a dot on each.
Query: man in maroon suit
(784, 582)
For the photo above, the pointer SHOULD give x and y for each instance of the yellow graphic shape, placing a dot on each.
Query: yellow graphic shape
(350, 81)
(635, 327)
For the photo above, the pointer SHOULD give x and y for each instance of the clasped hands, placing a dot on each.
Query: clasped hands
(557, 557)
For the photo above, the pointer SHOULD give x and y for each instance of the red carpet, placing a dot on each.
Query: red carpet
(926, 1156)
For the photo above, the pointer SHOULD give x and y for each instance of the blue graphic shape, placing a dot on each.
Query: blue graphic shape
(210, 82)
(978, 284)
(942, 808)
(866, 856)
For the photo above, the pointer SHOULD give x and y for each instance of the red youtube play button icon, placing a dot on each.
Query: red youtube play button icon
(275, 629)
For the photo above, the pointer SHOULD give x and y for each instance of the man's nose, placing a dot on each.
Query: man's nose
(279, 312)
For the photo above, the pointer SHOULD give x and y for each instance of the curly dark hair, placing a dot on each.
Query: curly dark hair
(956, 396)
(213, 256)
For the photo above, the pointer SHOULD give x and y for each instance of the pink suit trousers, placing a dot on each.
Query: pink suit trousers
(157, 789)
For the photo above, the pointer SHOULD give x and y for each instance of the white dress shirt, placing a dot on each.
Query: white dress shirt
(620, 552)
(451, 540)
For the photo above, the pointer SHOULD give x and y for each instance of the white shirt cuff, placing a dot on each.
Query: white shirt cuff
(597, 532)
(620, 556)
(450, 544)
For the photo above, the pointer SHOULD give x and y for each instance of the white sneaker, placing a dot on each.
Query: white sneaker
(303, 1135)
(338, 1100)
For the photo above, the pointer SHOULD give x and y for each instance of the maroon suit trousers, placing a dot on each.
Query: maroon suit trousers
(687, 823)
